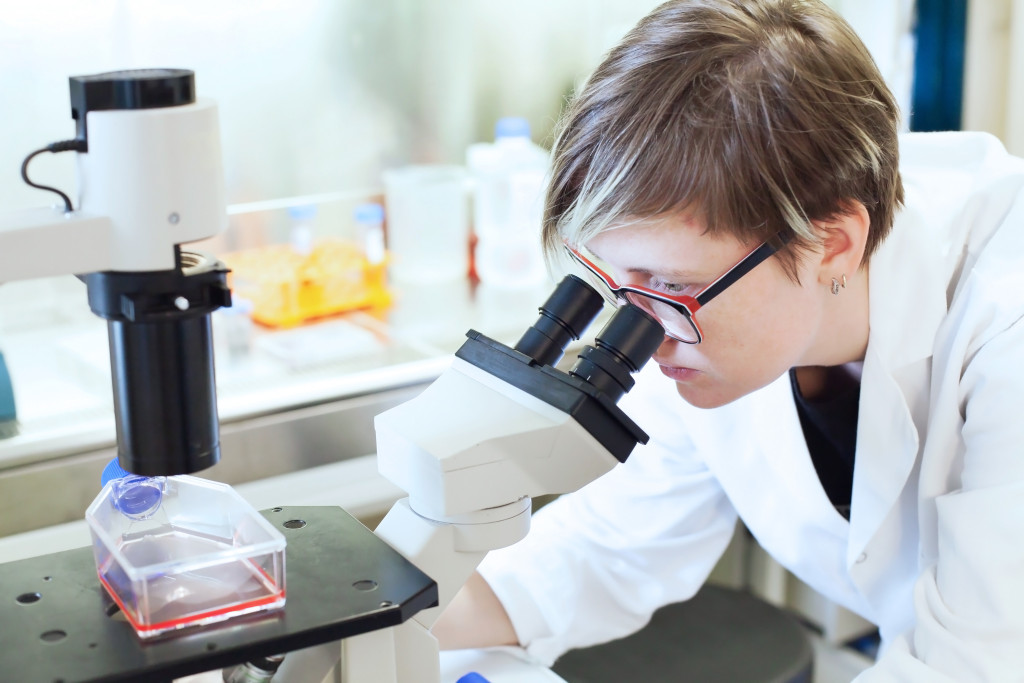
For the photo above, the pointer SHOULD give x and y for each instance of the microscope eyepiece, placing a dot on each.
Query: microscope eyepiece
(621, 348)
(563, 317)
(589, 391)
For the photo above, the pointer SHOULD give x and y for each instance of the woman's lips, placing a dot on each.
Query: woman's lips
(679, 374)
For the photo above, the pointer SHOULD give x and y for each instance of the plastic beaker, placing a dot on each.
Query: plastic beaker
(427, 223)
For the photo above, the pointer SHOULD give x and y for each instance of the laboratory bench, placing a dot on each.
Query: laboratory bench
(296, 406)
(296, 409)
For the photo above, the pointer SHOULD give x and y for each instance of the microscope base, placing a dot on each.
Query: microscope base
(342, 581)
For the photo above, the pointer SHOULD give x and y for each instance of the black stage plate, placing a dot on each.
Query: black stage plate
(65, 636)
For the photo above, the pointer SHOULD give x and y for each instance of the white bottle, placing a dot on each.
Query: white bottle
(300, 233)
(508, 193)
(369, 218)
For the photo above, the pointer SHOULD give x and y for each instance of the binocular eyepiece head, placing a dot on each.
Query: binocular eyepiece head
(622, 347)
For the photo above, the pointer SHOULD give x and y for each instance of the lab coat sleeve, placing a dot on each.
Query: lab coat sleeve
(597, 563)
(969, 604)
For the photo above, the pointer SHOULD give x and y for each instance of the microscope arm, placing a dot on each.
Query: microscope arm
(45, 242)
(149, 179)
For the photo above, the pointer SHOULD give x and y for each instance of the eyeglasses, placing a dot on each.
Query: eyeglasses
(676, 312)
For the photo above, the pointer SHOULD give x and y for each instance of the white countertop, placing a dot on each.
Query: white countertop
(59, 363)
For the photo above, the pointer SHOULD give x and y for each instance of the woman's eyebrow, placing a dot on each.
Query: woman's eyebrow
(668, 274)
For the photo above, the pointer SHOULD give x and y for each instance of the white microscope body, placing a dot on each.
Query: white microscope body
(471, 451)
(499, 427)
(149, 179)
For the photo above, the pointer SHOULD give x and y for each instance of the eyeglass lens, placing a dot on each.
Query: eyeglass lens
(677, 324)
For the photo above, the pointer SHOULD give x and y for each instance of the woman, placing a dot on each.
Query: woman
(850, 390)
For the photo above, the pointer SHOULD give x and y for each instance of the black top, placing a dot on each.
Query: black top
(130, 89)
(830, 429)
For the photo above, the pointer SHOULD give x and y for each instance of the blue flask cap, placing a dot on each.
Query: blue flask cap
(134, 496)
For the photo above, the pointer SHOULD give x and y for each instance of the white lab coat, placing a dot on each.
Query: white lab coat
(934, 551)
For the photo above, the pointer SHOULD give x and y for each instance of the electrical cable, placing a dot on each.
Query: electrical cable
(74, 145)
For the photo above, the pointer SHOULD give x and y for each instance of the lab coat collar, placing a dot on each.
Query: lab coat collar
(907, 288)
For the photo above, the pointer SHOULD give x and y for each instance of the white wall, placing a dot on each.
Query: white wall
(315, 95)
(886, 28)
(994, 71)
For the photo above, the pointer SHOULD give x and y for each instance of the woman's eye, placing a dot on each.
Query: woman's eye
(670, 287)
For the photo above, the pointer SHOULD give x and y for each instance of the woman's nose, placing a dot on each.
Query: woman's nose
(665, 351)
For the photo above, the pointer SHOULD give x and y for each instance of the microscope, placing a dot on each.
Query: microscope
(499, 427)
(150, 180)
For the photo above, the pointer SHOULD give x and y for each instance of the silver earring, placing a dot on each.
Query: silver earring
(836, 284)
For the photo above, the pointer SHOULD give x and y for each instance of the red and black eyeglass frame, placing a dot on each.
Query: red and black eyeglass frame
(683, 304)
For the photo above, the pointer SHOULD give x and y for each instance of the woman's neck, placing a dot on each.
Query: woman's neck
(843, 341)
(846, 325)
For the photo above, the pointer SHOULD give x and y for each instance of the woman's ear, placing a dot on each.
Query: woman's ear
(844, 238)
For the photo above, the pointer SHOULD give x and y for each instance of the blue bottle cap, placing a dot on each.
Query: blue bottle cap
(512, 127)
(304, 212)
(369, 213)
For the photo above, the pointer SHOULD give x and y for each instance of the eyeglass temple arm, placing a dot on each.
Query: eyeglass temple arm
(751, 261)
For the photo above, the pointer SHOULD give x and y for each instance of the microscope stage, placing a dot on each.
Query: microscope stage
(341, 581)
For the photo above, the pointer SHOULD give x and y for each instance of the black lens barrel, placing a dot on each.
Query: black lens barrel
(161, 361)
(164, 395)
(622, 347)
(564, 316)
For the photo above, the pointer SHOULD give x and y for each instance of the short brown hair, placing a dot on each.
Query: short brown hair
(758, 115)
